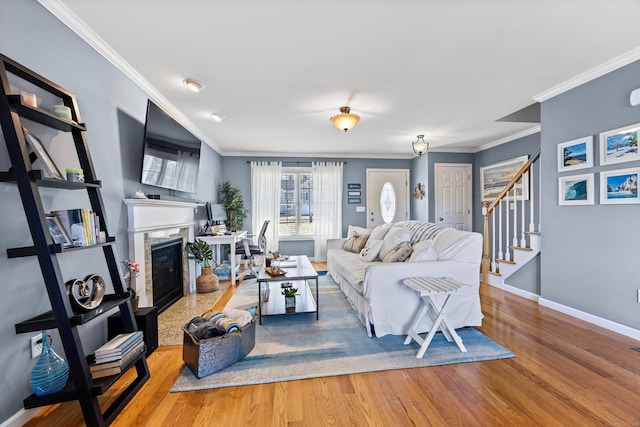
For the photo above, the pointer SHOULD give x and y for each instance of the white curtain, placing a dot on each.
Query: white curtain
(327, 205)
(186, 171)
(265, 199)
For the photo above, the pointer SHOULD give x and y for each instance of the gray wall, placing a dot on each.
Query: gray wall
(589, 257)
(520, 147)
(114, 110)
(237, 170)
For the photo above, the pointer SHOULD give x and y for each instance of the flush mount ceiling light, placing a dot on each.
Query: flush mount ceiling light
(345, 120)
(420, 146)
(193, 85)
(217, 117)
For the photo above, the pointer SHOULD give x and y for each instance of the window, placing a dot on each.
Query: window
(296, 210)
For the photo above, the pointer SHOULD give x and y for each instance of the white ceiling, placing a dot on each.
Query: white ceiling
(279, 69)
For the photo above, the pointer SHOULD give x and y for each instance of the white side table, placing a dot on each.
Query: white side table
(427, 287)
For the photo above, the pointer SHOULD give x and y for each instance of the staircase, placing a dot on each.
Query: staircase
(511, 236)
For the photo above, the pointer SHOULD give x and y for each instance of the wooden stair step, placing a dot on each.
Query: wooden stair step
(520, 248)
(493, 273)
(532, 233)
(505, 261)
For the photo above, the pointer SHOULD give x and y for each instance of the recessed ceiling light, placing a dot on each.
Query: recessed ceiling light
(217, 117)
(193, 85)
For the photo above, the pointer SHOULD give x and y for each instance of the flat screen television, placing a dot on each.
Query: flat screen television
(171, 157)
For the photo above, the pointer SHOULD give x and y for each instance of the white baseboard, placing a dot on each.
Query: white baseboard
(522, 293)
(591, 318)
(20, 418)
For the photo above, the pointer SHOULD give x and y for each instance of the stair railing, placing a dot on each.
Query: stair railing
(493, 252)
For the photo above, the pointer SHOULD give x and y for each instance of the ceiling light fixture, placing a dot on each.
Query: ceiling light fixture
(345, 120)
(420, 146)
(217, 117)
(193, 85)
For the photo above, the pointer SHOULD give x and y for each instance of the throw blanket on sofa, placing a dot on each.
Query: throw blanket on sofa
(421, 230)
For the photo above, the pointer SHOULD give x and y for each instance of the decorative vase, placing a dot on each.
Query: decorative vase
(290, 304)
(51, 372)
(134, 303)
(207, 281)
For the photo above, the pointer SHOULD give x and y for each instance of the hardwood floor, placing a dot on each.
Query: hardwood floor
(566, 373)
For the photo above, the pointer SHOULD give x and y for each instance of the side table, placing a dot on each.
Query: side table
(147, 321)
(428, 287)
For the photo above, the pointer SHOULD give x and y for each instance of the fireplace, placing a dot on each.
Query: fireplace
(166, 273)
(154, 222)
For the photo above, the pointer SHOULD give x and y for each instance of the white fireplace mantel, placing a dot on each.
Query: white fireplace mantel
(158, 219)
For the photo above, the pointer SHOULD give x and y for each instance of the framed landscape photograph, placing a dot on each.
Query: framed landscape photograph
(494, 178)
(49, 165)
(58, 233)
(353, 200)
(619, 145)
(575, 189)
(353, 193)
(353, 186)
(575, 154)
(619, 186)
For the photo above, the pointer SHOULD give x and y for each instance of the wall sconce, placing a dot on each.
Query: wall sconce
(419, 193)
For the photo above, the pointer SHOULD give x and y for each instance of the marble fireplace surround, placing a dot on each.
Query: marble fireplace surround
(156, 221)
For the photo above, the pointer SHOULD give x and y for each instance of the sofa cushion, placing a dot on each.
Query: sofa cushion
(380, 231)
(394, 237)
(371, 250)
(424, 251)
(399, 253)
(421, 230)
(356, 242)
(360, 230)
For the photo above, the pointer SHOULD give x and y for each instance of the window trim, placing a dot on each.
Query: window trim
(296, 171)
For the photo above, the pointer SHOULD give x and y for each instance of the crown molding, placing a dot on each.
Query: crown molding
(589, 75)
(509, 138)
(80, 28)
(317, 155)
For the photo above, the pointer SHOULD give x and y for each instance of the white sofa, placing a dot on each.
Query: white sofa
(375, 289)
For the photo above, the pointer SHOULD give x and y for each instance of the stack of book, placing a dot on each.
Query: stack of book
(117, 354)
(82, 226)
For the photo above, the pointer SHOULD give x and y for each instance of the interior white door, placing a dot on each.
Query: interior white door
(387, 196)
(453, 197)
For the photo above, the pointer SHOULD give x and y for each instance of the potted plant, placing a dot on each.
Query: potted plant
(133, 269)
(234, 205)
(290, 299)
(201, 252)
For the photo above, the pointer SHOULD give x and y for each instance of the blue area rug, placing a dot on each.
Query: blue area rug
(298, 347)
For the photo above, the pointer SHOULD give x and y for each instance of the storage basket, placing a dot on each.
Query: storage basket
(214, 354)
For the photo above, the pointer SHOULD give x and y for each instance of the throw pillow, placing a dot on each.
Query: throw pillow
(371, 250)
(394, 237)
(360, 230)
(380, 231)
(356, 242)
(399, 253)
(424, 251)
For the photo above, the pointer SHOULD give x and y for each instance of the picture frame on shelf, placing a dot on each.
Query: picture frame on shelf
(353, 186)
(619, 187)
(575, 154)
(494, 178)
(354, 200)
(353, 193)
(575, 190)
(57, 231)
(619, 145)
(49, 165)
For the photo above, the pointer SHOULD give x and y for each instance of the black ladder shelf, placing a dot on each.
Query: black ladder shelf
(80, 386)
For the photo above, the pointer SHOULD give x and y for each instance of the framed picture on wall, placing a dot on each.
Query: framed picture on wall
(619, 186)
(494, 178)
(575, 154)
(353, 193)
(353, 200)
(619, 145)
(575, 189)
(353, 186)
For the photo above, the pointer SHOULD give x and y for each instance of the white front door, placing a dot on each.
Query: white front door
(453, 197)
(387, 196)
